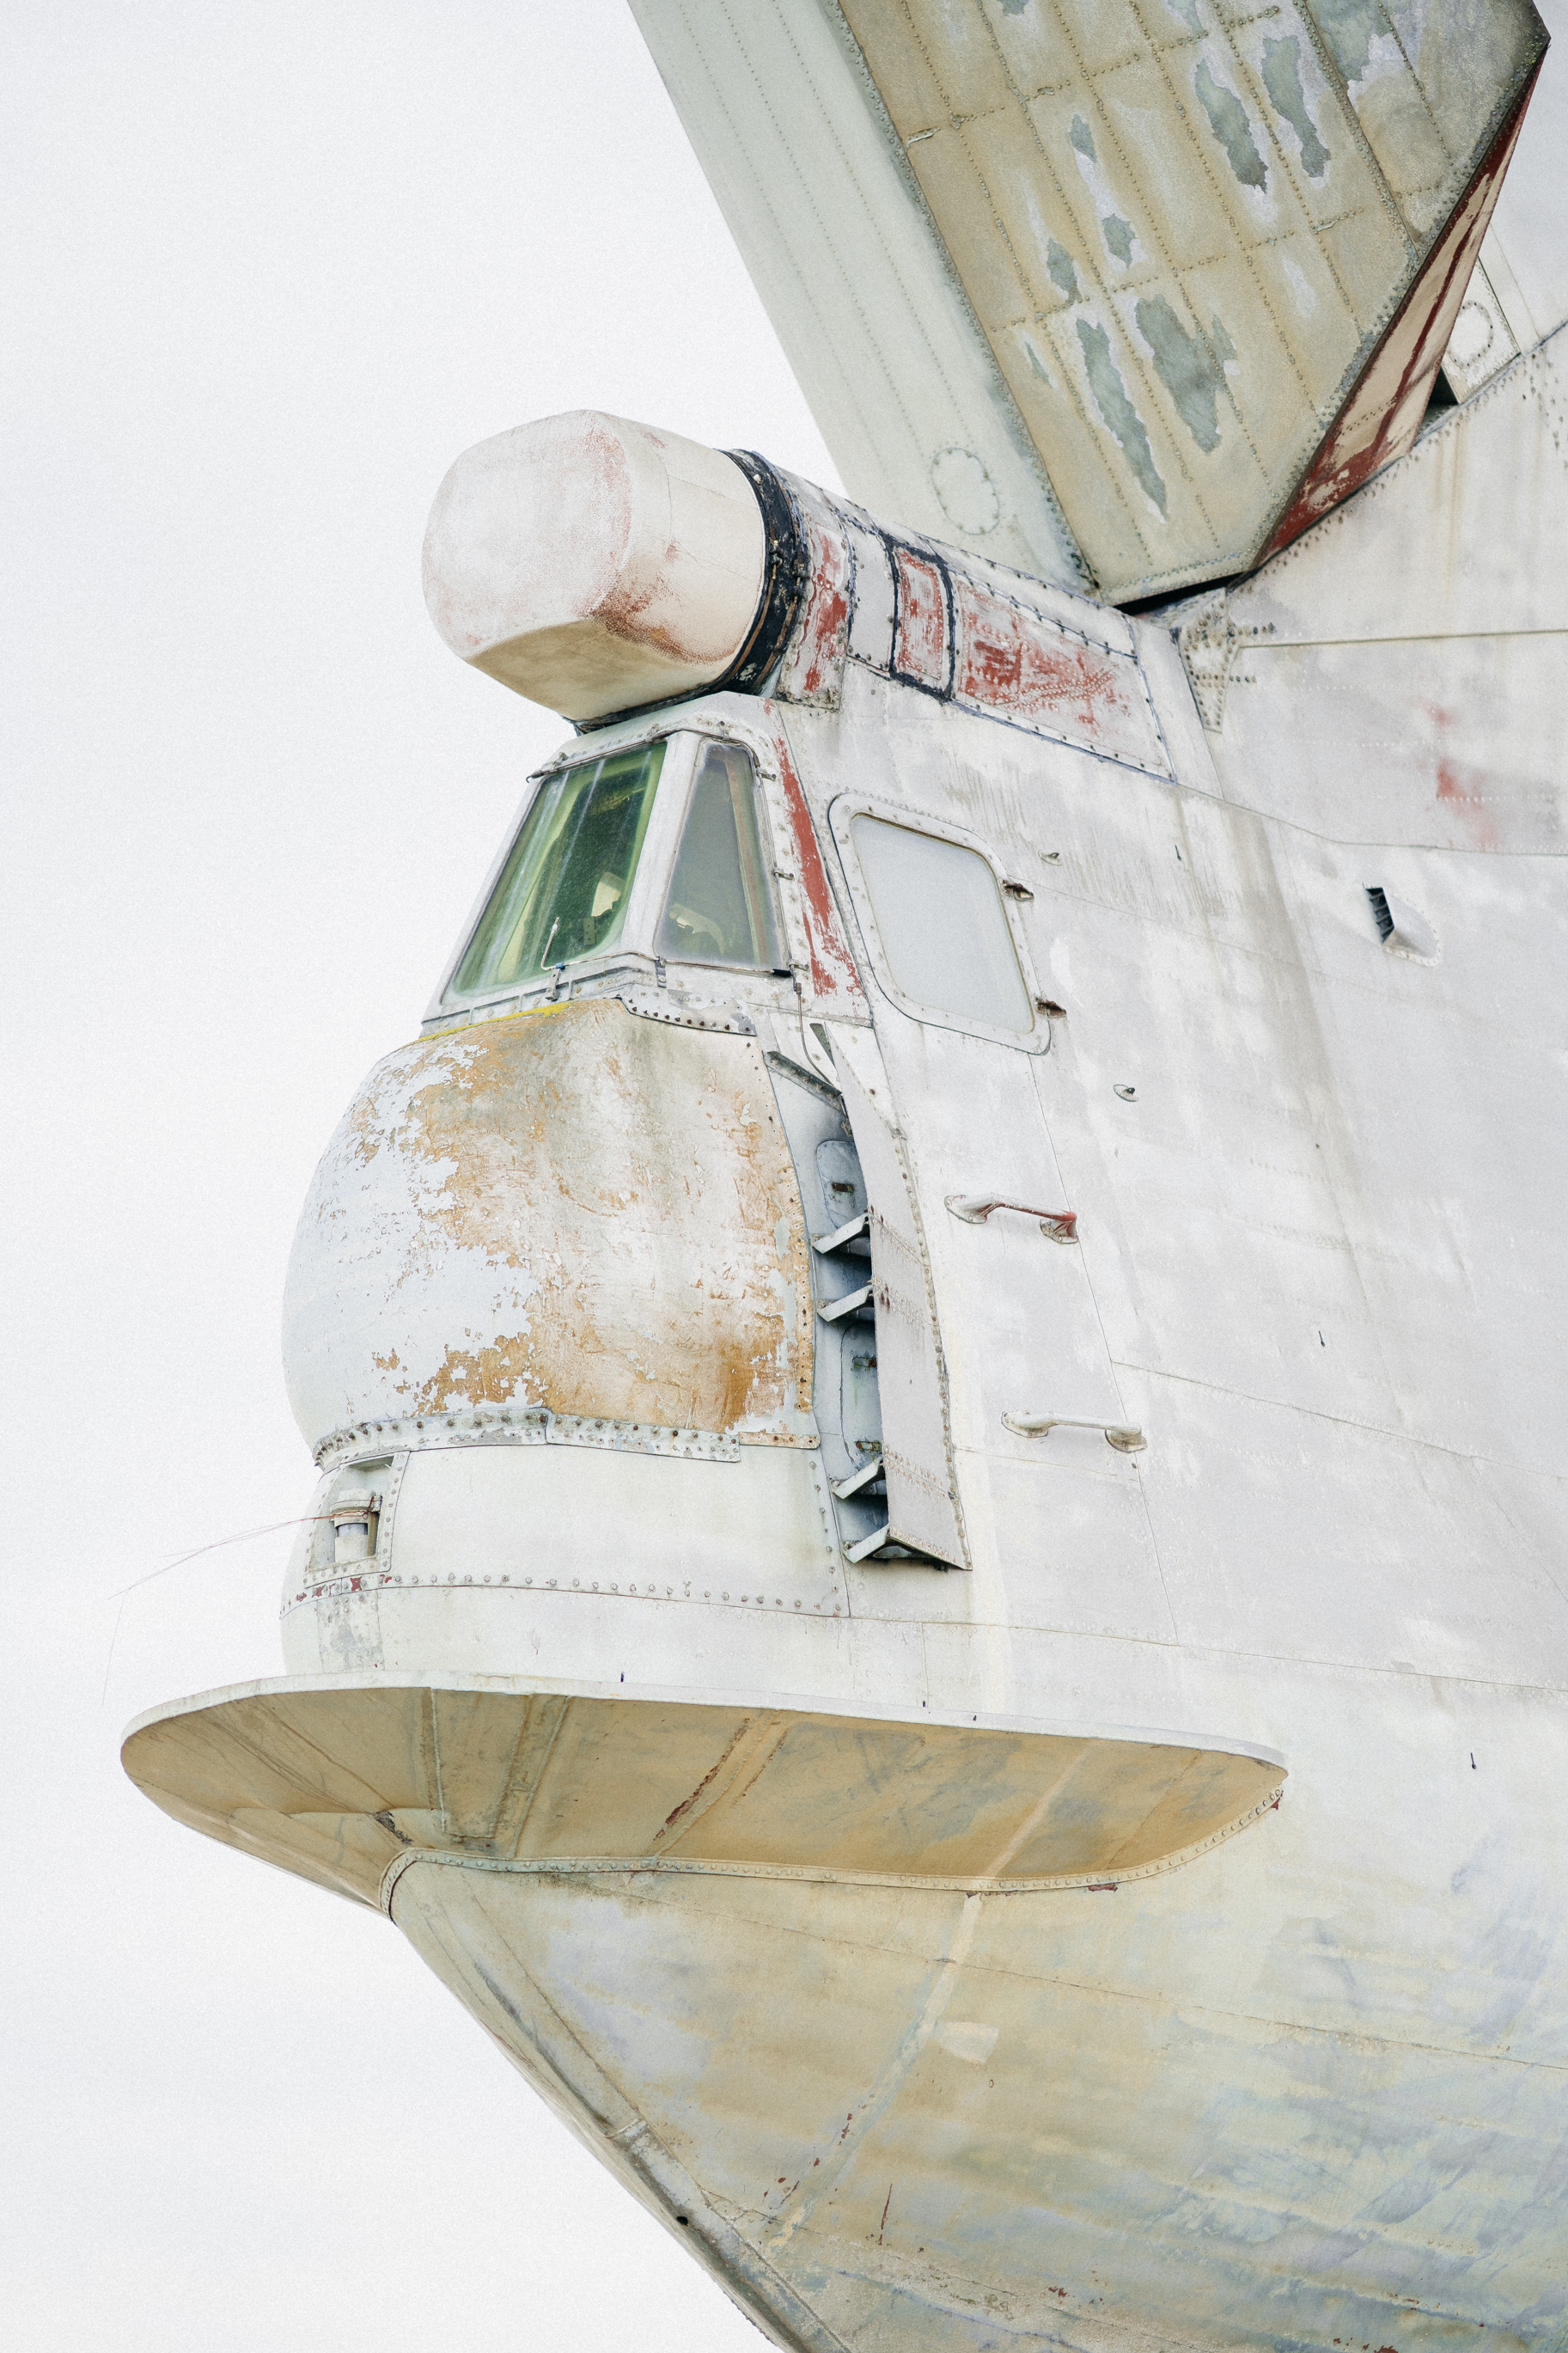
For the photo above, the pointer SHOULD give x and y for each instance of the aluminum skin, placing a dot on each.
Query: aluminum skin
(1198, 266)
(1239, 2019)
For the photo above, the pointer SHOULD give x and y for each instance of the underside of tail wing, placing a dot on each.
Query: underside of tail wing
(1127, 294)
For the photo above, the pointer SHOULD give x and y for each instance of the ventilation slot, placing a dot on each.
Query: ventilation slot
(849, 1402)
(846, 1393)
(1402, 928)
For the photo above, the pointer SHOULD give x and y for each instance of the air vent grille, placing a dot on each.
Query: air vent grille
(1382, 913)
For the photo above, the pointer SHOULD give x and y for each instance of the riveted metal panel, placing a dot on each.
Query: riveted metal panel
(569, 1208)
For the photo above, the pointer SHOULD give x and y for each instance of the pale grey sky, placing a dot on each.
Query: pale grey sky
(269, 269)
(266, 269)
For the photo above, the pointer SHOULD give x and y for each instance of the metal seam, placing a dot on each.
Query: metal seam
(1106, 1879)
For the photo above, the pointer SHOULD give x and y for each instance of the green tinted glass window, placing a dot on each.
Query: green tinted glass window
(563, 893)
(721, 905)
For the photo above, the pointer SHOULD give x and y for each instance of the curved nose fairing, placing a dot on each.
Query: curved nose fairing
(572, 1208)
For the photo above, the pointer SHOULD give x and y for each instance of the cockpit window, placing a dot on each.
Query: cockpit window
(721, 905)
(563, 891)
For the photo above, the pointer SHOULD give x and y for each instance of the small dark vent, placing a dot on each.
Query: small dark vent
(1443, 396)
(1379, 898)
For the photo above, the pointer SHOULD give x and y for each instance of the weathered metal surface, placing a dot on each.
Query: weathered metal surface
(545, 1780)
(813, 663)
(1309, 2086)
(524, 1425)
(478, 1538)
(1383, 415)
(1481, 341)
(1369, 685)
(834, 984)
(1185, 236)
(786, 124)
(592, 564)
(1526, 252)
(922, 633)
(923, 1508)
(966, 631)
(1065, 2054)
(991, 640)
(568, 1208)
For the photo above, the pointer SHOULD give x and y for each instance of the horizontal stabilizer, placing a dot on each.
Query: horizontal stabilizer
(1129, 294)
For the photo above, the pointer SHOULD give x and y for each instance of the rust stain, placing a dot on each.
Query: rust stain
(500, 1373)
(921, 648)
(1380, 416)
(1462, 790)
(626, 1190)
(1022, 665)
(817, 655)
(834, 979)
(741, 1729)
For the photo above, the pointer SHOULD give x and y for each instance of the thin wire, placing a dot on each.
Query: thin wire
(248, 1536)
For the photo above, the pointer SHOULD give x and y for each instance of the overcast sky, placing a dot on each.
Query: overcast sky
(266, 269)
(269, 268)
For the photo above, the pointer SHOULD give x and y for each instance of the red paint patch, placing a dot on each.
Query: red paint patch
(1463, 790)
(1380, 420)
(816, 658)
(920, 643)
(835, 983)
(1018, 664)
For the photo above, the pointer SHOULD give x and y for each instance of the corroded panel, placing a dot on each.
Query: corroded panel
(1185, 232)
(569, 1208)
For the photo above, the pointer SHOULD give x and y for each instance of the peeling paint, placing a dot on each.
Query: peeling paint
(1192, 367)
(1384, 415)
(1111, 400)
(1011, 662)
(920, 650)
(571, 1208)
(835, 984)
(1228, 121)
(813, 662)
(1228, 168)
(1350, 27)
(1282, 80)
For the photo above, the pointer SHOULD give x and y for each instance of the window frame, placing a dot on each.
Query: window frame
(766, 836)
(842, 813)
(634, 950)
(644, 900)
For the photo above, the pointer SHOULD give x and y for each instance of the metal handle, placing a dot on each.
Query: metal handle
(1123, 1436)
(1058, 1224)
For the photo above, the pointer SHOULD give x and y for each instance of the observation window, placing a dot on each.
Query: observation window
(719, 909)
(942, 926)
(563, 891)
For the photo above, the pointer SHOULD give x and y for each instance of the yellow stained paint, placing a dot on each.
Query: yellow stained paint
(579, 1210)
(337, 1778)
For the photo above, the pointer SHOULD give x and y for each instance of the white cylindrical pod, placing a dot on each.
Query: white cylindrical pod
(594, 564)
